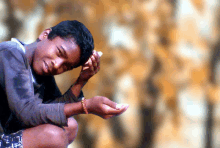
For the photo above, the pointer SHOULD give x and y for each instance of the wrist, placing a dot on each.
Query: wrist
(81, 81)
(87, 103)
(84, 107)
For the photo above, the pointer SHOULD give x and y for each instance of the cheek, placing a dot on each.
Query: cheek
(45, 53)
(37, 66)
(45, 50)
(36, 58)
(37, 62)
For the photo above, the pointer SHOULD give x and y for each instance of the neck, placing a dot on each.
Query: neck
(30, 49)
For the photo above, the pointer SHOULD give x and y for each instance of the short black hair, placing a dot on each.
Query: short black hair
(80, 34)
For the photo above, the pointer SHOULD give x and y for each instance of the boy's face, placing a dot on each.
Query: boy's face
(55, 56)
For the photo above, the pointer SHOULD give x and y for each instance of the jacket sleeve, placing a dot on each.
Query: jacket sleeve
(27, 107)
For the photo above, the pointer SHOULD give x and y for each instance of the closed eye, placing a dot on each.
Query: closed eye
(59, 52)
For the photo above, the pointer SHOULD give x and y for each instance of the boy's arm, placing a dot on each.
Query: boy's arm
(17, 83)
(77, 87)
(98, 105)
(74, 93)
(89, 69)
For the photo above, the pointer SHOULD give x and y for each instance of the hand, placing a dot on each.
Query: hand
(91, 67)
(104, 107)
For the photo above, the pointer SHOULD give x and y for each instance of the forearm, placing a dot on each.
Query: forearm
(73, 94)
(77, 87)
(97, 105)
(71, 109)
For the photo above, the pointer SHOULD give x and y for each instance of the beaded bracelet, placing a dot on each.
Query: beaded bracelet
(84, 106)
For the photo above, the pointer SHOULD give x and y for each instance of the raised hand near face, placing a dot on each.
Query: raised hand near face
(104, 107)
(91, 67)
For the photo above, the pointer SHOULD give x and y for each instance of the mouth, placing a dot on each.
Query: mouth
(46, 68)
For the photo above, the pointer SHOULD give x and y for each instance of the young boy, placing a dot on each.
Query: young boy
(33, 112)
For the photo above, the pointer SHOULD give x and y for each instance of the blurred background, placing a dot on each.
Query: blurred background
(159, 56)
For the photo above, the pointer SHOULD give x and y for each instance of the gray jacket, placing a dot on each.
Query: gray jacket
(25, 104)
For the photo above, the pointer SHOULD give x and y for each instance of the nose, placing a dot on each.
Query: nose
(56, 63)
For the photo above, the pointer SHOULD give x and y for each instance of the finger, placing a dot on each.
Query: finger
(123, 109)
(112, 111)
(85, 67)
(109, 103)
(94, 63)
(108, 116)
(113, 104)
(87, 64)
(90, 64)
(98, 64)
(97, 58)
(98, 55)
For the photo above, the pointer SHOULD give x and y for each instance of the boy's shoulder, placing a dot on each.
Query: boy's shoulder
(9, 45)
(12, 47)
(12, 50)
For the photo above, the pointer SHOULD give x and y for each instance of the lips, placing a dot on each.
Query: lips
(46, 68)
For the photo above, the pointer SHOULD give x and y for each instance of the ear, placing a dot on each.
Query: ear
(44, 34)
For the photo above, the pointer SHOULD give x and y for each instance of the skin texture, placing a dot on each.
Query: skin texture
(52, 57)
(50, 136)
(55, 56)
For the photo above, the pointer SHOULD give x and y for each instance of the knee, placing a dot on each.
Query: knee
(56, 136)
(72, 124)
(71, 129)
(44, 136)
